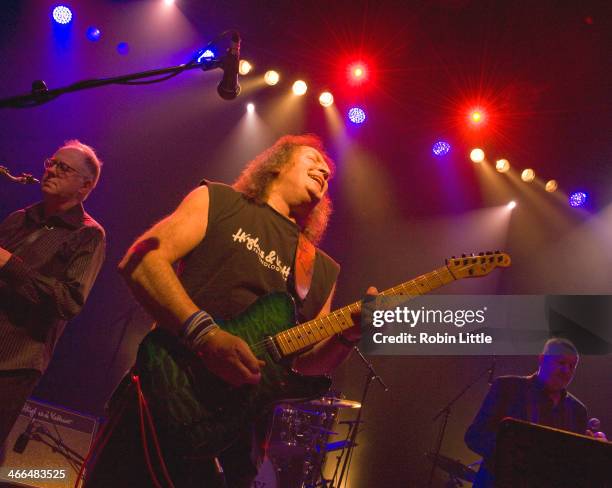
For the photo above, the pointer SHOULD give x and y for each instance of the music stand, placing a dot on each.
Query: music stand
(530, 455)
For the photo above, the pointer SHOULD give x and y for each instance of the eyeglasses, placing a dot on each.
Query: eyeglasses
(61, 167)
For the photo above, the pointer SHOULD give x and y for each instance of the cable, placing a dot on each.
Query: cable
(156, 442)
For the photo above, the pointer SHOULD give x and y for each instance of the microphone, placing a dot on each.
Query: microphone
(491, 372)
(25, 436)
(228, 87)
(594, 424)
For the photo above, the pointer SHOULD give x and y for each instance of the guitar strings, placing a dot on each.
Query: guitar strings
(265, 344)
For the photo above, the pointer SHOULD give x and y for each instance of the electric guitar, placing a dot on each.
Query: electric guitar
(199, 415)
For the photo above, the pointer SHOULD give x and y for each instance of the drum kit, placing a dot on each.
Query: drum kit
(299, 439)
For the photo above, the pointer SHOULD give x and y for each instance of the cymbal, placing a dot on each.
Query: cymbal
(334, 403)
(453, 467)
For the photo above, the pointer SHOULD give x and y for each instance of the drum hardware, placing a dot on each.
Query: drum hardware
(335, 403)
(298, 442)
(456, 469)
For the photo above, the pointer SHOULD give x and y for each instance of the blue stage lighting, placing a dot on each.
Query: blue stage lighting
(123, 48)
(356, 115)
(206, 55)
(62, 14)
(93, 34)
(578, 199)
(441, 148)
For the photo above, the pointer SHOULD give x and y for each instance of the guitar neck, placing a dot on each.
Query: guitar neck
(304, 335)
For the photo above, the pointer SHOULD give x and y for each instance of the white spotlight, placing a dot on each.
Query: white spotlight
(477, 155)
(326, 99)
(271, 77)
(299, 88)
(528, 175)
(244, 67)
(511, 204)
(250, 108)
(502, 165)
(551, 186)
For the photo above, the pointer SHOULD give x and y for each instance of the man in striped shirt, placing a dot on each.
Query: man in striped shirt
(50, 255)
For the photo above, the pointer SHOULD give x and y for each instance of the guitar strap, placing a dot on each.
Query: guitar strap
(304, 266)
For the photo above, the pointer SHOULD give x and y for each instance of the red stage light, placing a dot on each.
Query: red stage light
(357, 73)
(477, 116)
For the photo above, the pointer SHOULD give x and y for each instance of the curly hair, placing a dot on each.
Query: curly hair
(254, 181)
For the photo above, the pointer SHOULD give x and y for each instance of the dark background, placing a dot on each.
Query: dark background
(542, 72)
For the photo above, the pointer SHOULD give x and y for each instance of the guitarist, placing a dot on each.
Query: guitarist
(233, 245)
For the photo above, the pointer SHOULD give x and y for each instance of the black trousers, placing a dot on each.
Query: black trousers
(118, 459)
(15, 388)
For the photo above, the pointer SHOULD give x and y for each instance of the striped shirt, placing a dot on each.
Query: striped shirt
(54, 264)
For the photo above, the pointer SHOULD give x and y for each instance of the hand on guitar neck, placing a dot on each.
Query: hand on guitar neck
(354, 333)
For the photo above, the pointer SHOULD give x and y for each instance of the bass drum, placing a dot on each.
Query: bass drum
(267, 476)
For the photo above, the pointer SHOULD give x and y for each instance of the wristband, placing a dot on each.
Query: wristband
(198, 329)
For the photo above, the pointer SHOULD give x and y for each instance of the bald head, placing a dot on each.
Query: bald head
(558, 363)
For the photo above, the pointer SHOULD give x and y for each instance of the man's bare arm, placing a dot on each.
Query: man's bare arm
(147, 268)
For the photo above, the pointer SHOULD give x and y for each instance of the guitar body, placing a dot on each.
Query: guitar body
(198, 414)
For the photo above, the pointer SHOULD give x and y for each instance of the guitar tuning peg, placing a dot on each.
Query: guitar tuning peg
(463, 255)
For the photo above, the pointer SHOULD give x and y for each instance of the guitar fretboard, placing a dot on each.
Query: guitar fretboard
(304, 335)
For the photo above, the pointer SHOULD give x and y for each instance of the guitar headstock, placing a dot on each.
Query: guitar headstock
(475, 265)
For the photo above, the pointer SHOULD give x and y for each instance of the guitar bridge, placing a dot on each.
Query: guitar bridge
(272, 349)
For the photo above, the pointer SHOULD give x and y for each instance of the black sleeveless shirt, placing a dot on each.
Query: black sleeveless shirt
(249, 251)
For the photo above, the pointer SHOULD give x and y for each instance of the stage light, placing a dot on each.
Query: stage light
(207, 55)
(250, 108)
(244, 68)
(300, 88)
(551, 186)
(93, 34)
(168, 3)
(326, 99)
(578, 199)
(357, 73)
(441, 148)
(528, 175)
(477, 116)
(62, 14)
(502, 165)
(477, 155)
(356, 115)
(271, 77)
(123, 48)
(511, 204)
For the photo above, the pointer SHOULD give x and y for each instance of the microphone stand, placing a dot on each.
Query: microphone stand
(446, 412)
(354, 428)
(40, 94)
